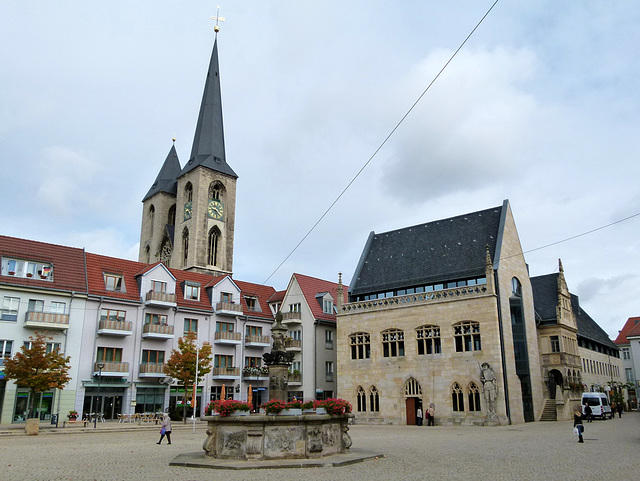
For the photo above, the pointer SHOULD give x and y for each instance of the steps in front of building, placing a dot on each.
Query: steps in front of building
(549, 411)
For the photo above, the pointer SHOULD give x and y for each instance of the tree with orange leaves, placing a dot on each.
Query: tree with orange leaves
(37, 369)
(182, 365)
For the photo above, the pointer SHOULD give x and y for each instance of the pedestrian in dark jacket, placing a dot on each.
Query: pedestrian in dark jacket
(577, 423)
(588, 412)
(619, 408)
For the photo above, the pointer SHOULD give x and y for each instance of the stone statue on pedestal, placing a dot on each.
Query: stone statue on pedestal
(278, 361)
(489, 387)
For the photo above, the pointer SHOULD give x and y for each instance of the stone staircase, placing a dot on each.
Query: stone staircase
(549, 411)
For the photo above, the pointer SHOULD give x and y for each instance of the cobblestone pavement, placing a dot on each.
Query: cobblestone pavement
(539, 450)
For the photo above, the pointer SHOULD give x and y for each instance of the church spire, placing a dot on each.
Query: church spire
(166, 181)
(208, 143)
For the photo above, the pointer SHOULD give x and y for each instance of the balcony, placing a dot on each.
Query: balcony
(228, 309)
(112, 369)
(157, 331)
(223, 337)
(293, 345)
(46, 320)
(254, 373)
(257, 341)
(295, 379)
(151, 369)
(110, 327)
(291, 318)
(226, 373)
(160, 299)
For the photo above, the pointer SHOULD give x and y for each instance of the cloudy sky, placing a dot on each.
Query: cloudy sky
(540, 107)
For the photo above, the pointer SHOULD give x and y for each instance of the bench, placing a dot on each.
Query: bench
(64, 423)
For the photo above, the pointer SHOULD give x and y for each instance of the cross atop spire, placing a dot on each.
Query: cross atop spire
(217, 18)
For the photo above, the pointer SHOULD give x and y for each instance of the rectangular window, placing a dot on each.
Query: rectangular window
(58, 307)
(190, 325)
(216, 392)
(467, 336)
(428, 338)
(35, 305)
(328, 339)
(21, 268)
(10, 309)
(114, 282)
(223, 361)
(51, 346)
(625, 353)
(252, 361)
(109, 354)
(112, 315)
(393, 343)
(254, 331)
(152, 357)
(191, 292)
(158, 319)
(158, 286)
(251, 303)
(294, 307)
(555, 343)
(328, 369)
(628, 373)
(225, 297)
(5, 351)
(327, 306)
(295, 366)
(360, 345)
(224, 326)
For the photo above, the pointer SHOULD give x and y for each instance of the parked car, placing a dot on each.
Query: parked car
(599, 403)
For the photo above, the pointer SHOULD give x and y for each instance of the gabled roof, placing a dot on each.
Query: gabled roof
(208, 142)
(277, 296)
(311, 286)
(182, 277)
(545, 297)
(167, 179)
(68, 264)
(98, 265)
(632, 324)
(261, 293)
(587, 327)
(447, 249)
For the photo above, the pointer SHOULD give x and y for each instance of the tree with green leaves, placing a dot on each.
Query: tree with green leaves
(182, 365)
(37, 369)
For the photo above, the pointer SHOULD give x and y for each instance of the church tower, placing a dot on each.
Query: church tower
(188, 216)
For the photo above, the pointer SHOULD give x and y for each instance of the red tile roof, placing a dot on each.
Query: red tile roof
(278, 296)
(98, 265)
(312, 286)
(631, 327)
(263, 294)
(68, 264)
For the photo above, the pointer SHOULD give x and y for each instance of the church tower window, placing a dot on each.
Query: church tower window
(171, 217)
(215, 191)
(185, 246)
(152, 214)
(212, 254)
(188, 192)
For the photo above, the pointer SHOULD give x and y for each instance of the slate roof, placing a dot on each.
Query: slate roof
(587, 327)
(441, 250)
(631, 327)
(68, 264)
(311, 286)
(208, 142)
(545, 297)
(167, 179)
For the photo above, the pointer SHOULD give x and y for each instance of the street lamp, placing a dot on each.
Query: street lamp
(95, 417)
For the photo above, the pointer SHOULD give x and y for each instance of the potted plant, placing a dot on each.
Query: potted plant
(336, 406)
(228, 407)
(308, 407)
(73, 415)
(29, 274)
(274, 406)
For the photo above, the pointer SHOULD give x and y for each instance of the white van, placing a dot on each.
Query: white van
(599, 403)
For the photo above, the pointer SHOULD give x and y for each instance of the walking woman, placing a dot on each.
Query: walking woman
(577, 424)
(166, 429)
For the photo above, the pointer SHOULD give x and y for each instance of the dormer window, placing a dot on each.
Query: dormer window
(114, 282)
(327, 306)
(28, 269)
(192, 291)
(159, 286)
(252, 303)
(226, 297)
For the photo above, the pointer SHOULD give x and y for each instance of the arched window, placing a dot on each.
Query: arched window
(185, 246)
(457, 397)
(362, 399)
(516, 287)
(360, 345)
(171, 217)
(428, 338)
(212, 252)
(374, 399)
(393, 343)
(216, 190)
(412, 388)
(165, 251)
(467, 336)
(188, 192)
(474, 397)
(152, 215)
(147, 254)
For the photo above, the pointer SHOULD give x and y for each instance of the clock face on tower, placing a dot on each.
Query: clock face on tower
(215, 210)
(187, 211)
